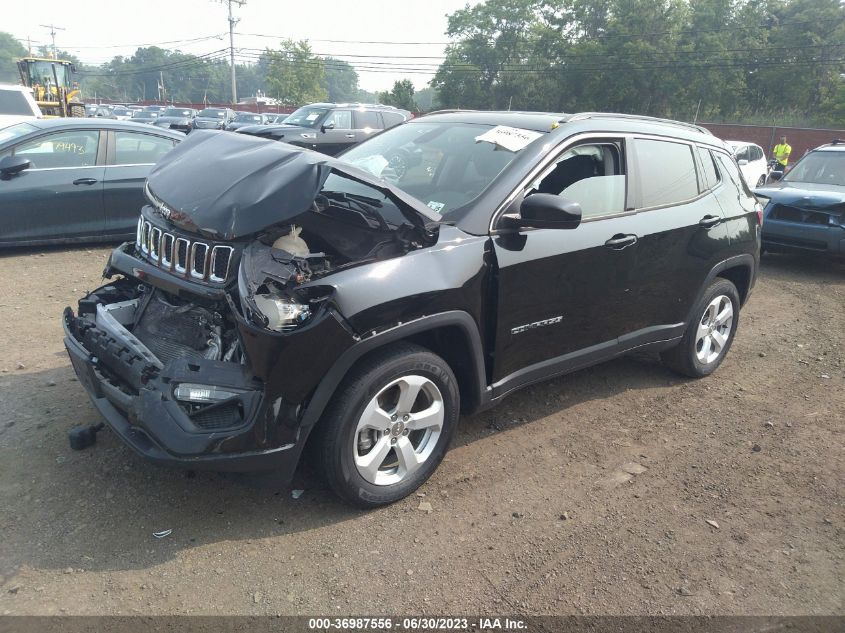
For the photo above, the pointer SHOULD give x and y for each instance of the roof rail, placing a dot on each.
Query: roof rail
(638, 117)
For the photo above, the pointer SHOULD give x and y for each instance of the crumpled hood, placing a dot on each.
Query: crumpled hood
(805, 195)
(227, 185)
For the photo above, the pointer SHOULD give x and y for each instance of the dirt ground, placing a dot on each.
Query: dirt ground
(732, 503)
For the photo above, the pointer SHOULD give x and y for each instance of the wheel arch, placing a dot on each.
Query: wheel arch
(453, 335)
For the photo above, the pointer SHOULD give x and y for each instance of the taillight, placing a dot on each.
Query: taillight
(758, 209)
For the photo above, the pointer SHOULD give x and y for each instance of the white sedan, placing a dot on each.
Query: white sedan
(752, 162)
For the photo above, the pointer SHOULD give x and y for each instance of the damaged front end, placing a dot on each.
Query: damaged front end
(217, 327)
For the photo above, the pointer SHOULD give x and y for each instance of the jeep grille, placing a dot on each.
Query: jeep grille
(198, 260)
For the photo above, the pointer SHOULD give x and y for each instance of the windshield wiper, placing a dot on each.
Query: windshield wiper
(367, 207)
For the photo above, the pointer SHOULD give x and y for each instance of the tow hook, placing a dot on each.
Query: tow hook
(84, 436)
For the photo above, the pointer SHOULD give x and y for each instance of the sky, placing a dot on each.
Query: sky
(98, 31)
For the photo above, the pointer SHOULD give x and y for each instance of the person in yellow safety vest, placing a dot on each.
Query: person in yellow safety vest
(782, 151)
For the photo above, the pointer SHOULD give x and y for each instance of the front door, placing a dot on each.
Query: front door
(60, 196)
(563, 295)
(336, 133)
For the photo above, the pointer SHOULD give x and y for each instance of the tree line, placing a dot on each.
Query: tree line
(716, 60)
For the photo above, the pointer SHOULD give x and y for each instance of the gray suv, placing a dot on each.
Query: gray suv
(331, 128)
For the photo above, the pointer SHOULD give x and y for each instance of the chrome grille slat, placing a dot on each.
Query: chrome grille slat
(201, 261)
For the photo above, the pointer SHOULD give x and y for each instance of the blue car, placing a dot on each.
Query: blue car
(805, 211)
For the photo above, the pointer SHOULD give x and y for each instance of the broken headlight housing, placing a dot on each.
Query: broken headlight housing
(268, 306)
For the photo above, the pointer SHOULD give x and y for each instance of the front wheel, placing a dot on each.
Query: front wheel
(709, 336)
(389, 425)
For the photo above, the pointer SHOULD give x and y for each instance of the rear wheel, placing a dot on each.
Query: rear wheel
(709, 336)
(389, 425)
(761, 181)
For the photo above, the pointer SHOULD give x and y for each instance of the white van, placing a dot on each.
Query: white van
(17, 104)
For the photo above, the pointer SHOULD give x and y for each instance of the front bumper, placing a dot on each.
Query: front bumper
(157, 427)
(795, 236)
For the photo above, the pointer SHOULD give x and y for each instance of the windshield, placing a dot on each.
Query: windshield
(252, 118)
(440, 164)
(42, 73)
(176, 112)
(15, 131)
(306, 117)
(823, 168)
(144, 114)
(212, 114)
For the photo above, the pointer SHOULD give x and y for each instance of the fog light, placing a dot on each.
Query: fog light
(190, 392)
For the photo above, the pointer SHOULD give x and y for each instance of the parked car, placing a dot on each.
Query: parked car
(155, 108)
(75, 180)
(17, 104)
(91, 109)
(752, 162)
(213, 119)
(273, 292)
(145, 116)
(248, 118)
(805, 210)
(122, 113)
(176, 119)
(331, 128)
(104, 111)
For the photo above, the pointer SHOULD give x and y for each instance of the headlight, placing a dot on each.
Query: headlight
(309, 135)
(281, 313)
(203, 394)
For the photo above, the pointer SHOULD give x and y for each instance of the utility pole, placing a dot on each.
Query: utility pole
(232, 22)
(53, 28)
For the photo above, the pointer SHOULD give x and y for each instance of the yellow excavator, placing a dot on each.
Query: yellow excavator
(52, 86)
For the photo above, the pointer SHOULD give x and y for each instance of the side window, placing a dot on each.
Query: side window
(392, 118)
(667, 172)
(592, 175)
(367, 119)
(342, 119)
(77, 148)
(131, 148)
(711, 175)
(756, 152)
(729, 167)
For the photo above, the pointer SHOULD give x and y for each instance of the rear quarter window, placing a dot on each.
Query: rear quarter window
(667, 172)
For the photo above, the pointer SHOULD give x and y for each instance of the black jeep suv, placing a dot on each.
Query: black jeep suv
(330, 128)
(275, 296)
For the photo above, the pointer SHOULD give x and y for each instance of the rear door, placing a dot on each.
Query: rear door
(367, 123)
(60, 196)
(129, 159)
(682, 234)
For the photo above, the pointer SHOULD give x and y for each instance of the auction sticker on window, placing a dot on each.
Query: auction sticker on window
(512, 139)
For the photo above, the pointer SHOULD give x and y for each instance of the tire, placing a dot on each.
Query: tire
(77, 111)
(761, 181)
(709, 335)
(368, 466)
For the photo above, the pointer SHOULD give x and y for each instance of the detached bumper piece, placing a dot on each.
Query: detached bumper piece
(190, 412)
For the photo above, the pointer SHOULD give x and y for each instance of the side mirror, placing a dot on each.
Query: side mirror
(327, 126)
(11, 165)
(742, 162)
(546, 211)
(775, 176)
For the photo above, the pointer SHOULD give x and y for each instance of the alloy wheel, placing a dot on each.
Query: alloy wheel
(714, 329)
(398, 430)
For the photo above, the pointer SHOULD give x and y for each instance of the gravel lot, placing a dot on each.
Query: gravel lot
(619, 489)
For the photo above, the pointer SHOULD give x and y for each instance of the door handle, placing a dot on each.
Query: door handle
(620, 241)
(350, 136)
(709, 221)
(85, 181)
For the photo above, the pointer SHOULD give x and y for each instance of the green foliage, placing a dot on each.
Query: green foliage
(10, 50)
(340, 80)
(401, 96)
(710, 59)
(294, 74)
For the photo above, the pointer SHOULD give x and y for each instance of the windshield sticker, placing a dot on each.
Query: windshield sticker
(374, 164)
(437, 206)
(510, 138)
(313, 116)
